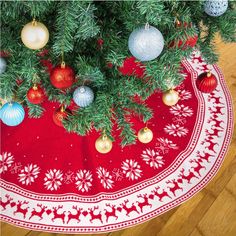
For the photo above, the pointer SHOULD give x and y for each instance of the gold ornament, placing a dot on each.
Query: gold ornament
(34, 35)
(145, 135)
(170, 97)
(103, 144)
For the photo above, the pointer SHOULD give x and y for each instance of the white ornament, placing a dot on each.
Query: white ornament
(3, 65)
(83, 96)
(146, 43)
(215, 7)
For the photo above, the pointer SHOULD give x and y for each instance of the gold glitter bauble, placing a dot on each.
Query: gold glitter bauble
(170, 97)
(34, 35)
(145, 135)
(103, 144)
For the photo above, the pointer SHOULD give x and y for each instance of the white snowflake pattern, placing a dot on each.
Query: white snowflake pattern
(184, 94)
(181, 110)
(179, 120)
(131, 169)
(176, 130)
(105, 177)
(164, 145)
(117, 174)
(84, 180)
(69, 177)
(6, 160)
(28, 174)
(152, 158)
(16, 167)
(53, 179)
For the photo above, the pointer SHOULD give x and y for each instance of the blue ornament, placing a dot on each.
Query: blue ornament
(12, 113)
(146, 43)
(83, 96)
(215, 7)
(3, 65)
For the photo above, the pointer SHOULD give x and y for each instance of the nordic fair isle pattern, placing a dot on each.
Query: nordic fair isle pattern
(127, 187)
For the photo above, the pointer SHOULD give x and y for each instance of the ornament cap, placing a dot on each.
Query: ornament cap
(104, 137)
(82, 89)
(34, 22)
(145, 129)
(208, 74)
(35, 87)
(63, 65)
(62, 109)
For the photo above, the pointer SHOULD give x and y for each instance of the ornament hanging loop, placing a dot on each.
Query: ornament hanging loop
(104, 135)
(34, 22)
(63, 64)
(147, 26)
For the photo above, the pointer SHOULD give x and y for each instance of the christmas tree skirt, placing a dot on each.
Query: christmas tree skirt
(55, 181)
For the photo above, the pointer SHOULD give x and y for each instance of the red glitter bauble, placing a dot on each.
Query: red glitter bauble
(206, 82)
(35, 95)
(60, 114)
(62, 77)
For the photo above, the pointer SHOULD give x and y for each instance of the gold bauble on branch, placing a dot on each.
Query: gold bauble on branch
(170, 97)
(145, 135)
(103, 144)
(34, 35)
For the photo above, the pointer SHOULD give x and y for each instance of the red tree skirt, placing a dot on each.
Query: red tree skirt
(55, 181)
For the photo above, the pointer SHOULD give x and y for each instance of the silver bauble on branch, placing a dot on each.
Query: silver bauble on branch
(3, 65)
(146, 43)
(83, 96)
(215, 7)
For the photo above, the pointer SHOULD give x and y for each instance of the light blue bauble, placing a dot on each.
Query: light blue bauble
(83, 96)
(12, 113)
(146, 43)
(3, 65)
(215, 7)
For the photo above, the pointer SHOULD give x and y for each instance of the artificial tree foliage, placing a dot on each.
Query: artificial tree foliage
(75, 28)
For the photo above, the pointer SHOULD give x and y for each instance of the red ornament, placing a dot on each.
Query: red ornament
(190, 42)
(109, 65)
(35, 95)
(100, 42)
(60, 114)
(131, 67)
(206, 82)
(62, 76)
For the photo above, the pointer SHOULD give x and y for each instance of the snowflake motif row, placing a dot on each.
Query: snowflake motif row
(54, 178)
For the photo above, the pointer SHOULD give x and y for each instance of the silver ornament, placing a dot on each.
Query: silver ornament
(215, 7)
(146, 43)
(3, 65)
(83, 96)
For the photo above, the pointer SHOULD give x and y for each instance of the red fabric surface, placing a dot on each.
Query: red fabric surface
(41, 142)
(60, 179)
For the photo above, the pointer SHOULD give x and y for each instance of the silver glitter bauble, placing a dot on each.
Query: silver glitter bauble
(146, 43)
(3, 65)
(215, 7)
(83, 96)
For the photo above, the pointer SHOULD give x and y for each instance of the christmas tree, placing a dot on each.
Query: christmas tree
(93, 55)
